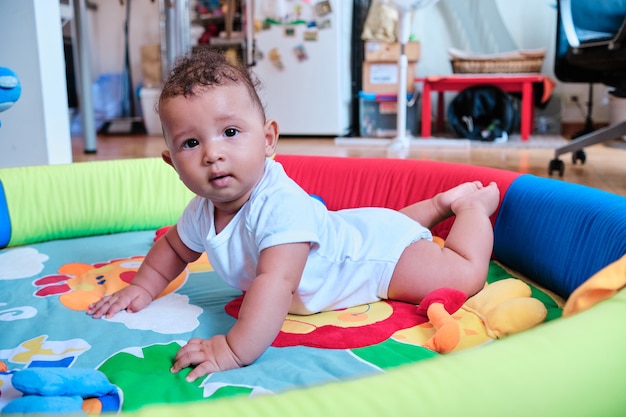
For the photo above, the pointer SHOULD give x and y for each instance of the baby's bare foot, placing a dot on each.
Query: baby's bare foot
(485, 198)
(443, 201)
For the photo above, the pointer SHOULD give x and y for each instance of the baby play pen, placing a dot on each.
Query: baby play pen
(73, 232)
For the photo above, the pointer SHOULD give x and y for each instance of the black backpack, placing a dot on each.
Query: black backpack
(482, 112)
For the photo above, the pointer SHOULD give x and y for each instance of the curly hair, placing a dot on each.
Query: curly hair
(207, 68)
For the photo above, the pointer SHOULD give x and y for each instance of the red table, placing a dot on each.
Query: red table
(511, 83)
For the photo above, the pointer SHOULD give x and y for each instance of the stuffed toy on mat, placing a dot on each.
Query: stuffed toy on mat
(505, 307)
(62, 391)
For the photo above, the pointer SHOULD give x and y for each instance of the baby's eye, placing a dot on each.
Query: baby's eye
(190, 143)
(230, 132)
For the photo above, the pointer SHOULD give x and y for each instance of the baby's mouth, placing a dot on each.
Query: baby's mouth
(219, 179)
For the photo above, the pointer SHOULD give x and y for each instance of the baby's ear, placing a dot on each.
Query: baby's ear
(271, 137)
(165, 155)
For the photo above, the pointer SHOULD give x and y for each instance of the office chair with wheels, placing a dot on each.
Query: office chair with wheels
(590, 48)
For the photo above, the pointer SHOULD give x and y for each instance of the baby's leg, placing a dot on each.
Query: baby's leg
(432, 211)
(462, 263)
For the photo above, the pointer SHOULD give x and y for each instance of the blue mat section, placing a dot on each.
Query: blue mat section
(5, 222)
(556, 233)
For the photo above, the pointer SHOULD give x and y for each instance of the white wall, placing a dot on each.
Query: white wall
(35, 131)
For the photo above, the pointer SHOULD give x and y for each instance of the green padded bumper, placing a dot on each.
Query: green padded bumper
(96, 198)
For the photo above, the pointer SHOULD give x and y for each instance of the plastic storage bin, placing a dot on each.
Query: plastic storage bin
(379, 112)
(148, 97)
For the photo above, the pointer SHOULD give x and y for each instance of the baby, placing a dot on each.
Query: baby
(266, 236)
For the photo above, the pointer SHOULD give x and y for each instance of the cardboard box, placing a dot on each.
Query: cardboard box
(377, 51)
(382, 77)
(151, 65)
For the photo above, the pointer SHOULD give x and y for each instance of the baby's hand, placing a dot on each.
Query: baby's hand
(132, 299)
(210, 355)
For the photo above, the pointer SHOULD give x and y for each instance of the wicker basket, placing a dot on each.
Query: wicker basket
(518, 62)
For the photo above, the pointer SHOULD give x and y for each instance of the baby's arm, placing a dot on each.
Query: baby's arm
(164, 262)
(261, 316)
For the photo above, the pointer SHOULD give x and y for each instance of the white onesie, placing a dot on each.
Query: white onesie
(353, 252)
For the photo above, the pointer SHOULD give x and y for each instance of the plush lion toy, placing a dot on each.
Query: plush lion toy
(505, 307)
(10, 89)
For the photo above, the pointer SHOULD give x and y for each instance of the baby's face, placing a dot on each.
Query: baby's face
(218, 141)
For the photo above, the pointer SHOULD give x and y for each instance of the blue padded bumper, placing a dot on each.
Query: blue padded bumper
(556, 232)
(5, 221)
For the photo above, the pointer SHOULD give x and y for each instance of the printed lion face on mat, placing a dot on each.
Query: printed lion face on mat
(82, 284)
(348, 328)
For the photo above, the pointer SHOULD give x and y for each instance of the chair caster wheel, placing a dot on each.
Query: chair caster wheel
(579, 155)
(556, 165)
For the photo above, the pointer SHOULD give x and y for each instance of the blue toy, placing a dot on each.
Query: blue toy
(62, 391)
(10, 89)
